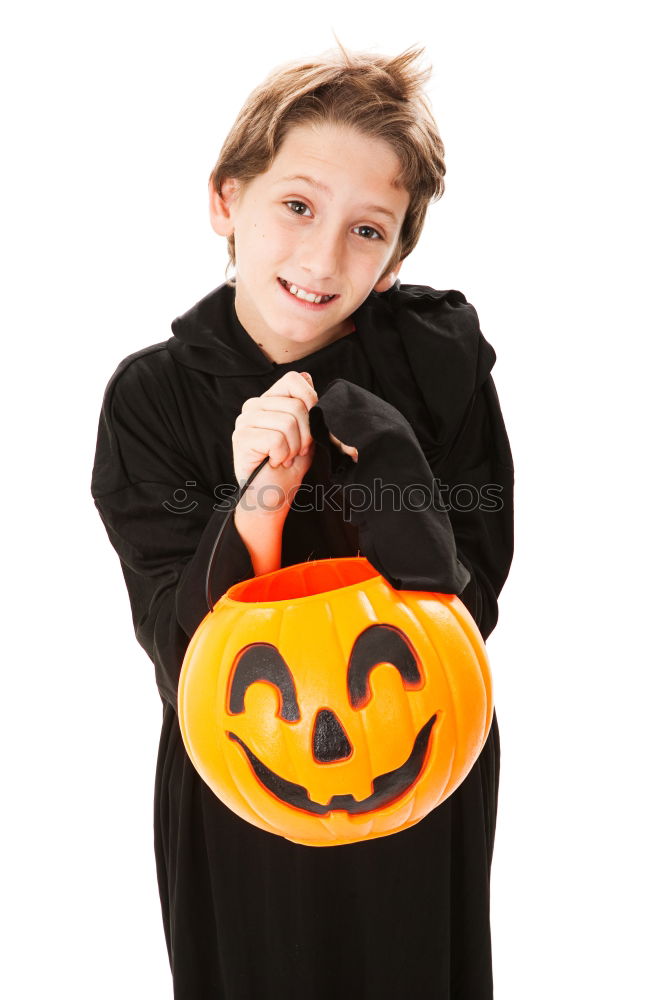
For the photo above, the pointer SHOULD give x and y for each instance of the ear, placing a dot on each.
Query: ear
(221, 206)
(385, 283)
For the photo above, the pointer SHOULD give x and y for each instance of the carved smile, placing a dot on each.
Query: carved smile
(386, 788)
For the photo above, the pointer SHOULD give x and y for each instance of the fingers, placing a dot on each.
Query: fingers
(346, 448)
(281, 432)
(298, 384)
(262, 441)
(285, 415)
(277, 423)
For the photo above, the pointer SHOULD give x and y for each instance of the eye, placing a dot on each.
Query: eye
(293, 202)
(261, 661)
(381, 644)
(377, 235)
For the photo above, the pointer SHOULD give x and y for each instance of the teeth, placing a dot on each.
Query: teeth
(307, 296)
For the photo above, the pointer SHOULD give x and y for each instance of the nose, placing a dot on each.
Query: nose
(329, 740)
(321, 252)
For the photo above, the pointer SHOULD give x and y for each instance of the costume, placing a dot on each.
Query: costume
(248, 914)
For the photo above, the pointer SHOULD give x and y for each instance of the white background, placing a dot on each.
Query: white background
(552, 225)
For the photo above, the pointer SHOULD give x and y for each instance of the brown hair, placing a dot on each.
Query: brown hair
(379, 96)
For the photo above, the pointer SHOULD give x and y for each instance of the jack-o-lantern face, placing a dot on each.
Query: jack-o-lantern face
(329, 741)
(323, 705)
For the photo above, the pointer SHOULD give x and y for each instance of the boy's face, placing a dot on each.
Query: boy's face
(334, 242)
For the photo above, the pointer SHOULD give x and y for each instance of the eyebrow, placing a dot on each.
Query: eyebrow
(322, 187)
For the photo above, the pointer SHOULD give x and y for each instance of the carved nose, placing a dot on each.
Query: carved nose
(329, 740)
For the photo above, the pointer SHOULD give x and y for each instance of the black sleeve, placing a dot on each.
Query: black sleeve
(476, 481)
(163, 544)
(388, 493)
(419, 534)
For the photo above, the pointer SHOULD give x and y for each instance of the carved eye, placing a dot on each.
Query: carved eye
(380, 644)
(261, 661)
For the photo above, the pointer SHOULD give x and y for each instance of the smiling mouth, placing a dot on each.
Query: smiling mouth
(386, 788)
(312, 298)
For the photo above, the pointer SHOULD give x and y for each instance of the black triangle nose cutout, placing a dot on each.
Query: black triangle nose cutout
(329, 740)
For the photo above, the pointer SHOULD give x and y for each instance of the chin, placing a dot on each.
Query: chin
(303, 331)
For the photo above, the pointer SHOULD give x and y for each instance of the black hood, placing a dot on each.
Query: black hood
(425, 346)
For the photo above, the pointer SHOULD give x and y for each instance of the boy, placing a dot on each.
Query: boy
(321, 190)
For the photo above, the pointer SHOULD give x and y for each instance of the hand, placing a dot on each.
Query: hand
(346, 448)
(276, 424)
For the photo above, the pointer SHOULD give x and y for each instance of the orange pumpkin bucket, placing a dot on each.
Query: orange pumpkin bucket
(322, 705)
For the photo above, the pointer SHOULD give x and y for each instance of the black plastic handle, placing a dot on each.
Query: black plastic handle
(218, 540)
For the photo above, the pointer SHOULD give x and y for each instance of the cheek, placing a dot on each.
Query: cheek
(254, 252)
(369, 262)
(269, 244)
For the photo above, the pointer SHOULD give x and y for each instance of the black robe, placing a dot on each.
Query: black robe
(249, 914)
